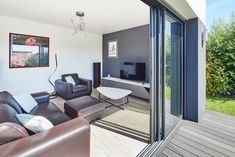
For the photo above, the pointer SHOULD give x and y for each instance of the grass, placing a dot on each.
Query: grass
(167, 93)
(220, 104)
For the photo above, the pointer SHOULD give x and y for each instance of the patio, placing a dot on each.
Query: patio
(213, 136)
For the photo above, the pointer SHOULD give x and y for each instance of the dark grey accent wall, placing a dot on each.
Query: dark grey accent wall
(194, 71)
(133, 46)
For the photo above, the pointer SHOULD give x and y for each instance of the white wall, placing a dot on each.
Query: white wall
(199, 7)
(75, 55)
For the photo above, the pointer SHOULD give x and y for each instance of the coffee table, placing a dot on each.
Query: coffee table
(114, 94)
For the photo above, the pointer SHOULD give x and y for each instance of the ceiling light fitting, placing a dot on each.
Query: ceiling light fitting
(81, 26)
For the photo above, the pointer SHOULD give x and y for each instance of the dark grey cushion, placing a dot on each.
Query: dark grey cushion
(79, 88)
(8, 114)
(7, 98)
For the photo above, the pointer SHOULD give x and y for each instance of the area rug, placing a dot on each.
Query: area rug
(129, 123)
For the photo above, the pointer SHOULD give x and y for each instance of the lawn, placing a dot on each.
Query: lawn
(219, 104)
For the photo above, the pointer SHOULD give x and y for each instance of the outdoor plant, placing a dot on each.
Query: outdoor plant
(216, 78)
(221, 57)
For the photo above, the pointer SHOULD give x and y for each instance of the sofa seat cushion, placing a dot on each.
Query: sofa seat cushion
(8, 114)
(58, 118)
(51, 112)
(10, 132)
(45, 109)
(79, 88)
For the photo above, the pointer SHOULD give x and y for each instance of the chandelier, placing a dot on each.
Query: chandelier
(81, 26)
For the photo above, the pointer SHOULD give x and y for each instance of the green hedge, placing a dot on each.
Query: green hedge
(221, 57)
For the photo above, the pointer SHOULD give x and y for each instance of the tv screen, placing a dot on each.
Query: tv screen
(133, 71)
(140, 71)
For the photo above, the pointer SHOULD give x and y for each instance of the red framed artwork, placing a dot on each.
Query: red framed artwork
(27, 51)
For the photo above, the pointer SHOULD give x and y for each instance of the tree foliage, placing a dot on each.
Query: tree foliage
(37, 60)
(221, 56)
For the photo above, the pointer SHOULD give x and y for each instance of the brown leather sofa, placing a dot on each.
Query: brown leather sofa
(67, 137)
(9, 108)
(67, 91)
(71, 139)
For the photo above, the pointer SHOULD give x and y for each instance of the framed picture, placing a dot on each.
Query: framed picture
(28, 51)
(113, 49)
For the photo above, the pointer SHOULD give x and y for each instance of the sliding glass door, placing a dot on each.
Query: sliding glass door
(167, 72)
(172, 71)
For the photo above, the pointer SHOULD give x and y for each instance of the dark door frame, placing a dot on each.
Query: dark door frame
(158, 11)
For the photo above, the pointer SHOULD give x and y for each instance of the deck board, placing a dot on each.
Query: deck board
(214, 135)
(180, 150)
(170, 153)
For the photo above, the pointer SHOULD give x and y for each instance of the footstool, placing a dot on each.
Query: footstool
(87, 107)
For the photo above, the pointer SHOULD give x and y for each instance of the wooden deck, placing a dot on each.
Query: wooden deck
(213, 136)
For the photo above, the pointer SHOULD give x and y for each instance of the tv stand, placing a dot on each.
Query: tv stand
(139, 89)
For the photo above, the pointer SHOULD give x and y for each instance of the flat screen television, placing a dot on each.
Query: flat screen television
(133, 71)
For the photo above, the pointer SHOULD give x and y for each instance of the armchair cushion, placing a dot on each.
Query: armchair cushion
(10, 132)
(79, 88)
(69, 79)
(74, 76)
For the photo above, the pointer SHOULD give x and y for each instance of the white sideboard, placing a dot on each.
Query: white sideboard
(139, 89)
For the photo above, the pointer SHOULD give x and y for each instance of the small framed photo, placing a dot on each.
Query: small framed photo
(113, 49)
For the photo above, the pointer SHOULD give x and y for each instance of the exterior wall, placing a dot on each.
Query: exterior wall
(195, 69)
(199, 7)
(133, 46)
(189, 9)
(75, 54)
(201, 68)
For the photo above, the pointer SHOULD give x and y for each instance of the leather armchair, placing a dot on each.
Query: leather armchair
(68, 91)
(71, 138)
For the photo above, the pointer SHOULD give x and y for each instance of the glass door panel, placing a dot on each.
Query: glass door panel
(172, 72)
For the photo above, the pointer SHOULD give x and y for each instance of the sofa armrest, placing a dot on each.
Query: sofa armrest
(86, 82)
(41, 97)
(71, 138)
(63, 89)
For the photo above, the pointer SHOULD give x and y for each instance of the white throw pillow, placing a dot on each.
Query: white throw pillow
(34, 123)
(69, 79)
(26, 101)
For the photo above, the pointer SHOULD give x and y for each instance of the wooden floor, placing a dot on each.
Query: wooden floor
(213, 136)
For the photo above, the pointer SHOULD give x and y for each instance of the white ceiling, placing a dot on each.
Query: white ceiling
(101, 16)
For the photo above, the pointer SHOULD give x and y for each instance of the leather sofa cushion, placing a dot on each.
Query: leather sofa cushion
(10, 132)
(51, 112)
(58, 118)
(8, 114)
(45, 109)
(79, 88)
(7, 98)
(74, 76)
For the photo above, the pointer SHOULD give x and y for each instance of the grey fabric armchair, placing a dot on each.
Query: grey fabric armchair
(68, 91)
